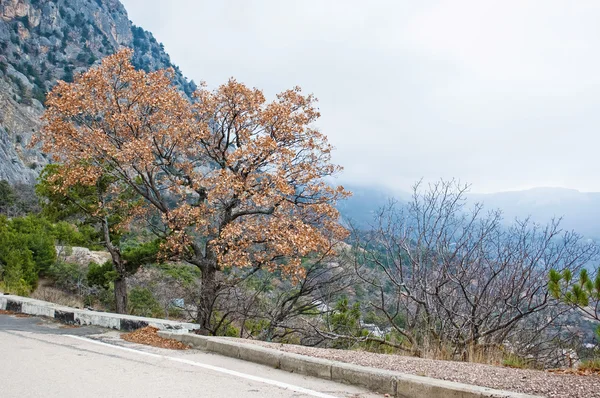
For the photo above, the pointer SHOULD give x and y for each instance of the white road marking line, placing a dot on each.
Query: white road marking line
(280, 384)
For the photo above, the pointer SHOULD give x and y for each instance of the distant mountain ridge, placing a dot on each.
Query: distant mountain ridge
(43, 41)
(361, 208)
(580, 211)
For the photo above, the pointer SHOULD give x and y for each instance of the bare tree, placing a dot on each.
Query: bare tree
(452, 278)
(325, 279)
(267, 307)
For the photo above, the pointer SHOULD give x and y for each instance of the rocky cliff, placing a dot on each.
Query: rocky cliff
(44, 41)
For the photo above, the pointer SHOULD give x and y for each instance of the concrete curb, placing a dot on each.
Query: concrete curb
(75, 316)
(383, 381)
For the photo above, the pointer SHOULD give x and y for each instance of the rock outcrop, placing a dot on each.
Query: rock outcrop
(81, 255)
(42, 42)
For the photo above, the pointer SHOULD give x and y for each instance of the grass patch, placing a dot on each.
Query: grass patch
(515, 361)
(591, 365)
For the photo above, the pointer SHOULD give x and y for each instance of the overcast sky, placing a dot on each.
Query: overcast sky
(502, 94)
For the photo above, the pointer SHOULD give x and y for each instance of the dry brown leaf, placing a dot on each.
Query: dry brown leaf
(149, 336)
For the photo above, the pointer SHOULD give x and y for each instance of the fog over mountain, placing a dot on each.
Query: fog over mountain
(580, 211)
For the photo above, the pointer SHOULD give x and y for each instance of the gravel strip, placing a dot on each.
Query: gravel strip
(520, 380)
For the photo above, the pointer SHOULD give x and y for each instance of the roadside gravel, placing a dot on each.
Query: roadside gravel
(520, 380)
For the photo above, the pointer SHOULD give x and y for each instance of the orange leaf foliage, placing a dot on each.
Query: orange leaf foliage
(236, 179)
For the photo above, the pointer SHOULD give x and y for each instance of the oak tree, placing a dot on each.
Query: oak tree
(228, 179)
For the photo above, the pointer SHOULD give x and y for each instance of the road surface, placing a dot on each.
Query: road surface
(40, 358)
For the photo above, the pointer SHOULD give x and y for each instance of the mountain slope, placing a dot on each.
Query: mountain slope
(580, 211)
(44, 41)
(361, 208)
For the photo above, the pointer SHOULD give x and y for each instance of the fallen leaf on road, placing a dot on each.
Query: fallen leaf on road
(149, 336)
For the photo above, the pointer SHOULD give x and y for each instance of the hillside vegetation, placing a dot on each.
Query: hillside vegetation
(217, 207)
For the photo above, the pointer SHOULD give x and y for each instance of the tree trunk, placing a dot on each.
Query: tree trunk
(208, 296)
(120, 283)
(121, 295)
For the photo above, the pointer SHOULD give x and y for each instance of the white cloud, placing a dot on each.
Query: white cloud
(503, 94)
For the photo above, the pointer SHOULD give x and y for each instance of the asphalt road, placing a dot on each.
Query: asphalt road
(40, 358)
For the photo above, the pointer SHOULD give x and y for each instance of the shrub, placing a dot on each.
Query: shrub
(68, 276)
(27, 250)
(37, 235)
(18, 287)
(228, 330)
(27, 202)
(175, 313)
(40, 95)
(17, 274)
(101, 275)
(68, 73)
(66, 234)
(140, 254)
(345, 318)
(7, 197)
(106, 297)
(256, 327)
(591, 365)
(519, 362)
(26, 98)
(143, 303)
(17, 266)
(82, 57)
